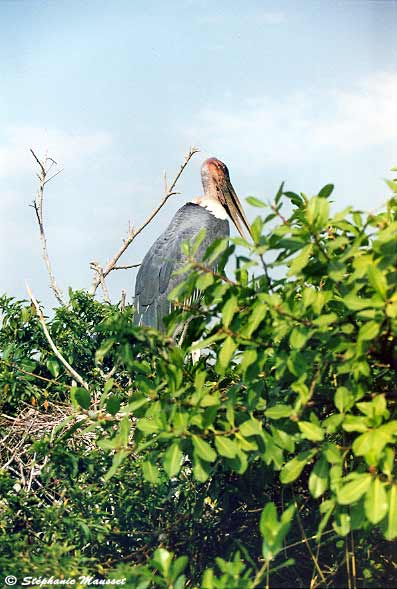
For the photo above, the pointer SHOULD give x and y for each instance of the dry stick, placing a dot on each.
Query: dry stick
(133, 233)
(57, 353)
(95, 266)
(307, 543)
(125, 267)
(38, 207)
(123, 299)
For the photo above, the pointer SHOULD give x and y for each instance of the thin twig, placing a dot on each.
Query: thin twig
(57, 353)
(266, 270)
(95, 266)
(125, 267)
(107, 375)
(123, 299)
(38, 207)
(307, 543)
(133, 233)
(207, 270)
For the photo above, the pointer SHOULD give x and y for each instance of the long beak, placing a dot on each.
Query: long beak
(234, 209)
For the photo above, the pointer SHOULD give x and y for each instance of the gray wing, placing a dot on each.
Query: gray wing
(155, 279)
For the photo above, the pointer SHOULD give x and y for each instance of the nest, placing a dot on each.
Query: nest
(20, 432)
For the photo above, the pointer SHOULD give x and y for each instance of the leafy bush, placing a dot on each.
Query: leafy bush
(275, 448)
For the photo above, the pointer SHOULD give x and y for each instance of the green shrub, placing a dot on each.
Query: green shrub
(275, 449)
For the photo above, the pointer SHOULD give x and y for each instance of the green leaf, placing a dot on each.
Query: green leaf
(226, 447)
(203, 449)
(104, 350)
(269, 520)
(256, 229)
(326, 191)
(248, 358)
(355, 423)
(118, 458)
(300, 261)
(124, 431)
(256, 317)
(251, 427)
(368, 331)
(311, 431)
(298, 337)
(336, 270)
(204, 343)
(391, 521)
(108, 386)
(173, 459)
(294, 467)
(294, 198)
(341, 523)
(148, 426)
(53, 367)
(150, 472)
(228, 311)
(255, 202)
(274, 531)
(226, 352)
(113, 405)
(377, 280)
(371, 443)
(162, 560)
(318, 480)
(343, 399)
(201, 469)
(210, 400)
(215, 250)
(139, 401)
(177, 568)
(353, 490)
(82, 397)
(279, 411)
(317, 212)
(204, 281)
(392, 184)
(376, 503)
(198, 240)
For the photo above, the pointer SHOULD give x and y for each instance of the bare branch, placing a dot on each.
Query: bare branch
(123, 299)
(107, 376)
(95, 266)
(125, 267)
(38, 207)
(133, 233)
(57, 353)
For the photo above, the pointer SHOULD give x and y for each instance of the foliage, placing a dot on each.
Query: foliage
(276, 447)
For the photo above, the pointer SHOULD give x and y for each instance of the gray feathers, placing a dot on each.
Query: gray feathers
(155, 278)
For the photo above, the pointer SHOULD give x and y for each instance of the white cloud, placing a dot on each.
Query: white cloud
(69, 149)
(303, 127)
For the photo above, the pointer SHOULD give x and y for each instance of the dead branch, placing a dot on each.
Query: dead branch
(133, 233)
(123, 299)
(95, 266)
(57, 353)
(45, 177)
(125, 267)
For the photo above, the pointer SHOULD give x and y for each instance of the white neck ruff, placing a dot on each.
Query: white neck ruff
(213, 206)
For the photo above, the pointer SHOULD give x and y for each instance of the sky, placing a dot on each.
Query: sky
(296, 90)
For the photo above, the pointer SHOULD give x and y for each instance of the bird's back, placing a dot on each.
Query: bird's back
(155, 278)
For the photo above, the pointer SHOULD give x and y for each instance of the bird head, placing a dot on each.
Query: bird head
(217, 185)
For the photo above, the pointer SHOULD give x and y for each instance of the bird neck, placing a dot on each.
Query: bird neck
(212, 205)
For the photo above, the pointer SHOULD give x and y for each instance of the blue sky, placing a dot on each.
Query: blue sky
(118, 91)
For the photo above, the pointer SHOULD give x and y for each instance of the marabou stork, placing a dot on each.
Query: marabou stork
(156, 279)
